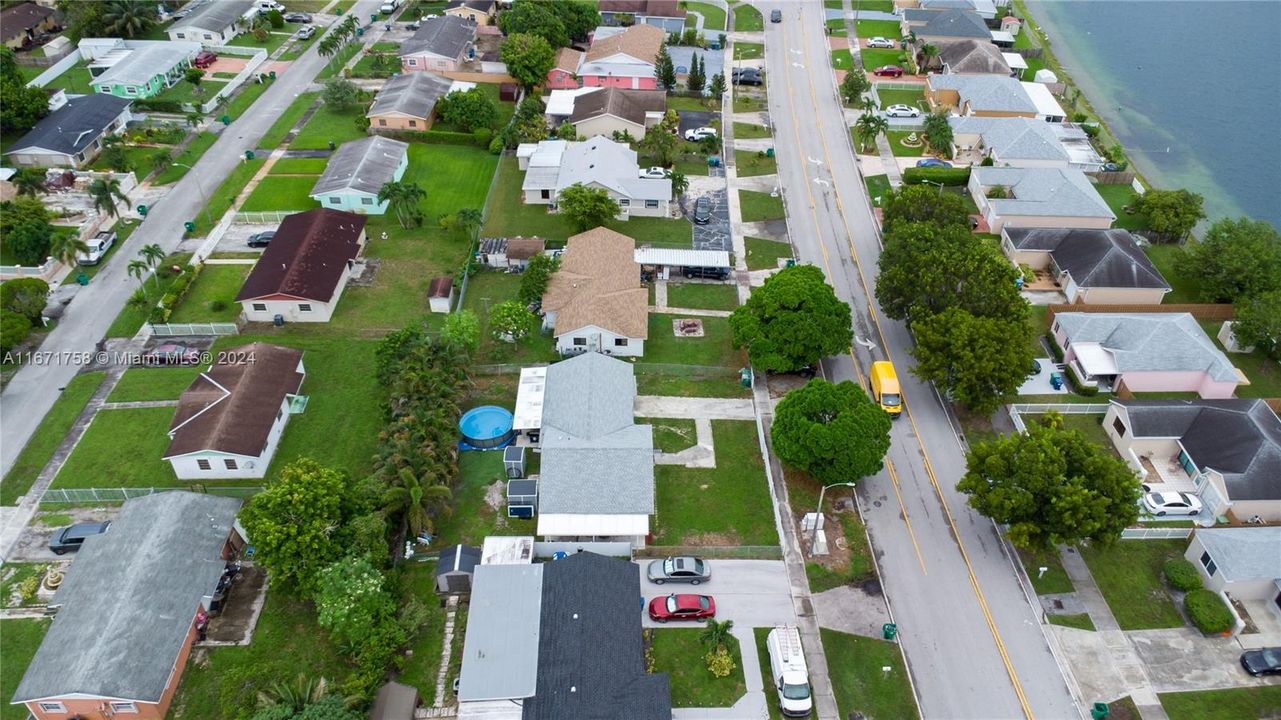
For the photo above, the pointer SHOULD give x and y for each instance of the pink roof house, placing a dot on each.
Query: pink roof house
(564, 74)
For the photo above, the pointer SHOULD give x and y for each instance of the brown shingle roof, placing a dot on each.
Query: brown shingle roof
(970, 56)
(599, 284)
(657, 8)
(440, 287)
(567, 59)
(307, 257)
(639, 41)
(18, 19)
(627, 104)
(524, 248)
(236, 417)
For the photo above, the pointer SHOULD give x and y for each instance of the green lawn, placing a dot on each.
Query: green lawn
(879, 28)
(671, 435)
(1054, 581)
(704, 296)
(750, 131)
(329, 124)
(748, 103)
(761, 635)
(153, 383)
(1080, 621)
(727, 505)
(220, 199)
(679, 653)
(752, 162)
(759, 206)
(290, 117)
(713, 348)
(140, 160)
(802, 494)
(877, 5)
(1129, 575)
(244, 99)
(16, 573)
(1118, 197)
(485, 290)
(747, 19)
(685, 102)
(299, 166)
(21, 639)
(1038, 324)
(691, 164)
(282, 194)
(708, 382)
(49, 435)
(1183, 288)
(335, 63)
(275, 39)
(215, 284)
(842, 59)
(836, 28)
(748, 51)
(713, 15)
(121, 448)
(858, 681)
(915, 98)
(874, 58)
(131, 318)
(185, 92)
(419, 580)
(473, 519)
(189, 156)
(877, 187)
(75, 81)
(763, 254)
(1252, 702)
(896, 138)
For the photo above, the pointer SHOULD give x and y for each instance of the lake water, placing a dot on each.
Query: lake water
(1191, 89)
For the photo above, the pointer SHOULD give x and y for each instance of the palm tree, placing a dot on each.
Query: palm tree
(138, 300)
(105, 193)
(138, 268)
(469, 221)
(29, 181)
(715, 634)
(65, 247)
(152, 255)
(414, 500)
(129, 18)
(303, 691)
(869, 126)
(927, 54)
(403, 198)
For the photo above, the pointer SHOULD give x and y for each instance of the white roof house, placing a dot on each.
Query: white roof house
(529, 399)
(560, 104)
(1022, 142)
(1046, 106)
(500, 657)
(553, 165)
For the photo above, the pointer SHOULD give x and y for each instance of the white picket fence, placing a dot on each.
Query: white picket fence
(1173, 533)
(269, 217)
(1017, 411)
(185, 329)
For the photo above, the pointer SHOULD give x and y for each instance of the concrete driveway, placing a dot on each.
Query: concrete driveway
(752, 593)
(33, 542)
(692, 119)
(1181, 659)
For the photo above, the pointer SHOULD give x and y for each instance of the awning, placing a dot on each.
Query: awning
(529, 399)
(1015, 61)
(1095, 360)
(593, 525)
(682, 258)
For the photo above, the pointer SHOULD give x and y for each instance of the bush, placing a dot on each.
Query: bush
(720, 663)
(218, 305)
(1181, 575)
(482, 136)
(952, 177)
(14, 328)
(160, 106)
(1208, 612)
(1054, 346)
(28, 588)
(1080, 388)
(496, 146)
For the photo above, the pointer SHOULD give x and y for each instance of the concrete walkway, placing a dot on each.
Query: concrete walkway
(694, 408)
(888, 161)
(138, 404)
(694, 312)
(701, 455)
(752, 704)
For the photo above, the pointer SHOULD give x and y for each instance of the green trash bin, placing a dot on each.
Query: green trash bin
(142, 210)
(82, 279)
(1100, 710)
(249, 154)
(191, 227)
(889, 631)
(225, 119)
(769, 152)
(745, 377)
(272, 74)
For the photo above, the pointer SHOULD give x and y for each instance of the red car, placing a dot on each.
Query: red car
(888, 71)
(204, 59)
(682, 607)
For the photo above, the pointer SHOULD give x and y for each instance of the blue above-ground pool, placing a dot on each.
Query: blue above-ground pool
(486, 427)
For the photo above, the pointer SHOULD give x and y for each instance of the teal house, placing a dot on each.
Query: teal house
(357, 171)
(142, 71)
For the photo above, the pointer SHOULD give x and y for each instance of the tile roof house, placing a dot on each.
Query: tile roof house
(612, 110)
(230, 419)
(142, 69)
(991, 96)
(70, 136)
(20, 24)
(408, 102)
(214, 23)
(930, 26)
(534, 630)
(126, 610)
(564, 72)
(985, 9)
(1022, 142)
(1149, 352)
(664, 14)
(595, 302)
(968, 56)
(1092, 266)
(1243, 562)
(479, 12)
(1038, 197)
(624, 60)
(302, 273)
(1226, 451)
(440, 44)
(357, 171)
(553, 165)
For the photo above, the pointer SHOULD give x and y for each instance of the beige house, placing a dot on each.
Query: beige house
(611, 110)
(480, 12)
(1091, 266)
(302, 274)
(407, 102)
(1042, 197)
(1244, 563)
(595, 302)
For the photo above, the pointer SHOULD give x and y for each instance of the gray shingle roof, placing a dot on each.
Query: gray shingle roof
(214, 15)
(144, 63)
(993, 93)
(631, 105)
(589, 396)
(74, 126)
(1057, 192)
(414, 93)
(1150, 342)
(1238, 438)
(952, 22)
(129, 599)
(972, 56)
(500, 649)
(610, 164)
(1244, 553)
(447, 36)
(1094, 258)
(362, 165)
(1012, 138)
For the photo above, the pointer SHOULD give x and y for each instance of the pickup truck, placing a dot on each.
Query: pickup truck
(98, 247)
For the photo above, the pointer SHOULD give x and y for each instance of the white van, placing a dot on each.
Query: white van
(389, 7)
(266, 6)
(99, 245)
(787, 668)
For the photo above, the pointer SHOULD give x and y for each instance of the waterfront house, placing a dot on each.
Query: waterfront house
(1022, 142)
(70, 136)
(441, 44)
(967, 56)
(1048, 197)
(985, 9)
(595, 302)
(1090, 266)
(931, 26)
(552, 165)
(357, 171)
(407, 102)
(214, 23)
(991, 96)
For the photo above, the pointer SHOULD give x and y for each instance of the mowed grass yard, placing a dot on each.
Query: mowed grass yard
(21, 639)
(913, 98)
(121, 448)
(282, 193)
(751, 163)
(713, 15)
(879, 28)
(477, 471)
(1129, 576)
(158, 383)
(758, 206)
(212, 297)
(705, 296)
(747, 18)
(189, 156)
(290, 117)
(679, 653)
(714, 348)
(328, 124)
(726, 505)
(49, 434)
(1251, 702)
(860, 684)
(874, 58)
(764, 254)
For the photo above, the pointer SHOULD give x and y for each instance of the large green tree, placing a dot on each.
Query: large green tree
(341, 93)
(511, 321)
(30, 242)
(533, 282)
(661, 142)
(21, 107)
(976, 361)
(129, 18)
(922, 203)
(579, 18)
(25, 296)
(1051, 486)
(794, 319)
(1258, 322)
(1172, 213)
(586, 207)
(352, 600)
(106, 193)
(404, 199)
(534, 18)
(834, 432)
(854, 87)
(528, 58)
(1237, 258)
(528, 125)
(468, 110)
(868, 127)
(664, 70)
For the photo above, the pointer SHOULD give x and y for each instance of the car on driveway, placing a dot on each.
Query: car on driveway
(696, 134)
(262, 239)
(682, 607)
(1171, 503)
(933, 163)
(702, 214)
(1264, 661)
(69, 539)
(298, 17)
(903, 111)
(746, 76)
(888, 71)
(171, 354)
(684, 569)
(880, 42)
(653, 173)
(204, 59)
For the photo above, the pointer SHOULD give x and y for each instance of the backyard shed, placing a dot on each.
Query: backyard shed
(522, 498)
(455, 568)
(394, 702)
(514, 461)
(440, 295)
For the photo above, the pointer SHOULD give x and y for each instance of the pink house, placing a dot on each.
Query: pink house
(1149, 352)
(564, 74)
(441, 44)
(623, 60)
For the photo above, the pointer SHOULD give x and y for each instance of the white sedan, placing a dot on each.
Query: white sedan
(902, 111)
(880, 42)
(653, 173)
(696, 134)
(1171, 503)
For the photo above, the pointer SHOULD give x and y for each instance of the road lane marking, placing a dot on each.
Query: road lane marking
(889, 465)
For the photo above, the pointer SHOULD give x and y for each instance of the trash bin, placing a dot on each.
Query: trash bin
(745, 377)
(713, 161)
(272, 74)
(82, 279)
(225, 119)
(889, 631)
(191, 227)
(249, 154)
(1100, 710)
(769, 152)
(1056, 381)
(142, 210)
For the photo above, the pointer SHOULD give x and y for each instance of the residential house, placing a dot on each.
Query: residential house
(479, 12)
(138, 69)
(1092, 266)
(1022, 142)
(230, 419)
(553, 165)
(21, 24)
(968, 56)
(664, 14)
(440, 44)
(559, 104)
(127, 607)
(70, 136)
(1243, 562)
(302, 273)
(214, 23)
(932, 26)
(547, 641)
(595, 302)
(1226, 451)
(1038, 197)
(357, 171)
(624, 60)
(564, 73)
(407, 102)
(614, 110)
(510, 253)
(1149, 352)
(985, 9)
(991, 96)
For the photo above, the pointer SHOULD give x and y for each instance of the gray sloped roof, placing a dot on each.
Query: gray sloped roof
(459, 558)
(1150, 342)
(414, 93)
(1244, 553)
(1064, 192)
(631, 105)
(74, 126)
(362, 165)
(1013, 138)
(994, 93)
(589, 395)
(500, 649)
(143, 64)
(952, 22)
(129, 599)
(447, 36)
(1094, 258)
(214, 15)
(609, 164)
(972, 56)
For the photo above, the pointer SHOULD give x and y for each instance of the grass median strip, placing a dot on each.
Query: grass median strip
(760, 206)
(764, 254)
(702, 296)
(860, 684)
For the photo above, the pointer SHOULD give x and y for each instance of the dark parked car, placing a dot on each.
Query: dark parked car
(298, 17)
(682, 607)
(776, 16)
(262, 239)
(933, 162)
(888, 71)
(702, 211)
(687, 569)
(746, 76)
(204, 59)
(1264, 661)
(708, 273)
(69, 539)
(171, 354)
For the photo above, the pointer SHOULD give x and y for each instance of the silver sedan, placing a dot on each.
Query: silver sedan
(690, 570)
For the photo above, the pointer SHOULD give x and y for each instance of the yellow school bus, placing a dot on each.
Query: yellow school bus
(885, 389)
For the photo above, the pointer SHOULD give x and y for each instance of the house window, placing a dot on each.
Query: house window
(208, 36)
(229, 463)
(260, 307)
(580, 341)
(1119, 427)
(413, 123)
(1207, 562)
(131, 90)
(304, 307)
(651, 204)
(204, 465)
(180, 36)
(366, 201)
(104, 89)
(547, 194)
(624, 202)
(335, 200)
(52, 707)
(620, 342)
(123, 707)
(1185, 461)
(413, 62)
(382, 122)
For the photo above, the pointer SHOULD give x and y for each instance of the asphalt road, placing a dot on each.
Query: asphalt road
(33, 390)
(974, 646)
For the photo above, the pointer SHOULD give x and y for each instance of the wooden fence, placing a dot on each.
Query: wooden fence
(1200, 311)
(1113, 178)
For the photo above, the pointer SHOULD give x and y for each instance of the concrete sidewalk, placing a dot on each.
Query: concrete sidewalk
(663, 406)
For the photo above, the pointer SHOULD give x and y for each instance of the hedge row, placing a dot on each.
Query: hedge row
(952, 177)
(1208, 612)
(177, 291)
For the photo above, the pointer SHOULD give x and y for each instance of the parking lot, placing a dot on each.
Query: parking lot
(752, 593)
